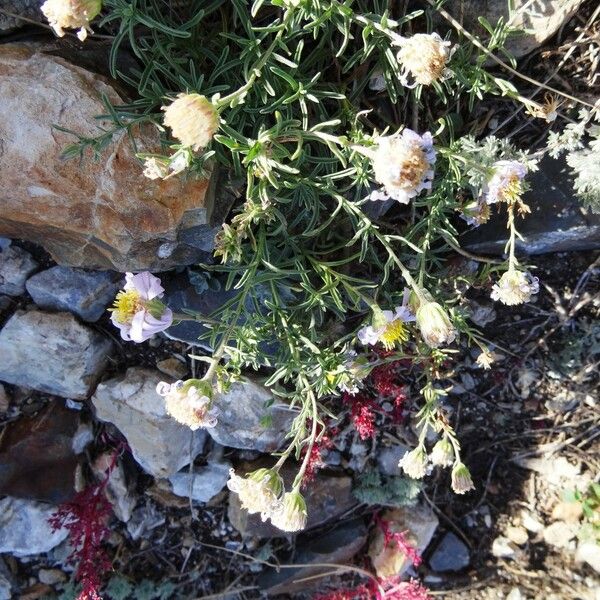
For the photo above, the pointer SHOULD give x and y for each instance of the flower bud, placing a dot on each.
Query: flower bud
(193, 120)
(435, 325)
(292, 514)
(71, 14)
(442, 454)
(461, 479)
(485, 360)
(414, 463)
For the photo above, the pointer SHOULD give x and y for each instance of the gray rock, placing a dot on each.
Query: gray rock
(557, 221)
(244, 422)
(4, 242)
(451, 554)
(144, 519)
(51, 576)
(28, 9)
(5, 303)
(338, 546)
(84, 293)
(205, 482)
(24, 527)
(159, 443)
(16, 265)
(6, 581)
(388, 459)
(53, 353)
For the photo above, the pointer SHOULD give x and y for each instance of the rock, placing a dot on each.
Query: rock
(531, 522)
(4, 399)
(518, 535)
(338, 546)
(28, 9)
(16, 265)
(51, 576)
(451, 554)
(388, 459)
(103, 214)
(84, 293)
(4, 242)
(24, 527)
(6, 581)
(570, 512)
(420, 524)
(119, 491)
(502, 547)
(589, 552)
(204, 483)
(557, 221)
(514, 594)
(541, 19)
(557, 472)
(481, 314)
(158, 443)
(37, 460)
(244, 422)
(144, 519)
(327, 497)
(53, 353)
(173, 367)
(559, 534)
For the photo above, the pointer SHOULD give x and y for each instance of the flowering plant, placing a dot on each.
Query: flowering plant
(325, 109)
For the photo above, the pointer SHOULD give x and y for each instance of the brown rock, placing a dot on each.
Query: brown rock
(172, 367)
(327, 497)
(37, 461)
(541, 19)
(100, 214)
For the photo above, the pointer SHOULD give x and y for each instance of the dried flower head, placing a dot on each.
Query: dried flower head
(414, 463)
(442, 454)
(515, 287)
(291, 514)
(506, 183)
(435, 325)
(71, 14)
(193, 120)
(189, 402)
(547, 110)
(259, 491)
(155, 168)
(403, 164)
(485, 360)
(137, 310)
(423, 57)
(461, 479)
(388, 327)
(476, 212)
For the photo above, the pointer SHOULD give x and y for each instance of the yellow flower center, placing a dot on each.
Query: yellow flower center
(513, 190)
(394, 332)
(126, 304)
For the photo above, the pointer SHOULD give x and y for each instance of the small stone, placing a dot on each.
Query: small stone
(6, 581)
(570, 512)
(24, 527)
(84, 293)
(173, 368)
(16, 265)
(518, 535)
(388, 459)
(4, 399)
(144, 519)
(158, 443)
(559, 534)
(53, 353)
(502, 547)
(206, 482)
(531, 523)
(451, 554)
(589, 552)
(51, 576)
(337, 546)
(481, 314)
(119, 491)
(515, 594)
(327, 497)
(245, 422)
(4, 243)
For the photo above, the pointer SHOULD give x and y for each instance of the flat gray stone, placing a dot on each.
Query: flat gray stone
(16, 265)
(29, 9)
(158, 443)
(84, 293)
(6, 581)
(245, 422)
(24, 527)
(388, 459)
(557, 222)
(205, 482)
(53, 353)
(451, 554)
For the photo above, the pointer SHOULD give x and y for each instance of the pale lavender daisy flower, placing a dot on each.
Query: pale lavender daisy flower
(505, 184)
(137, 310)
(403, 164)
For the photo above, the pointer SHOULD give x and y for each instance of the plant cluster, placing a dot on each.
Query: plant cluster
(326, 109)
